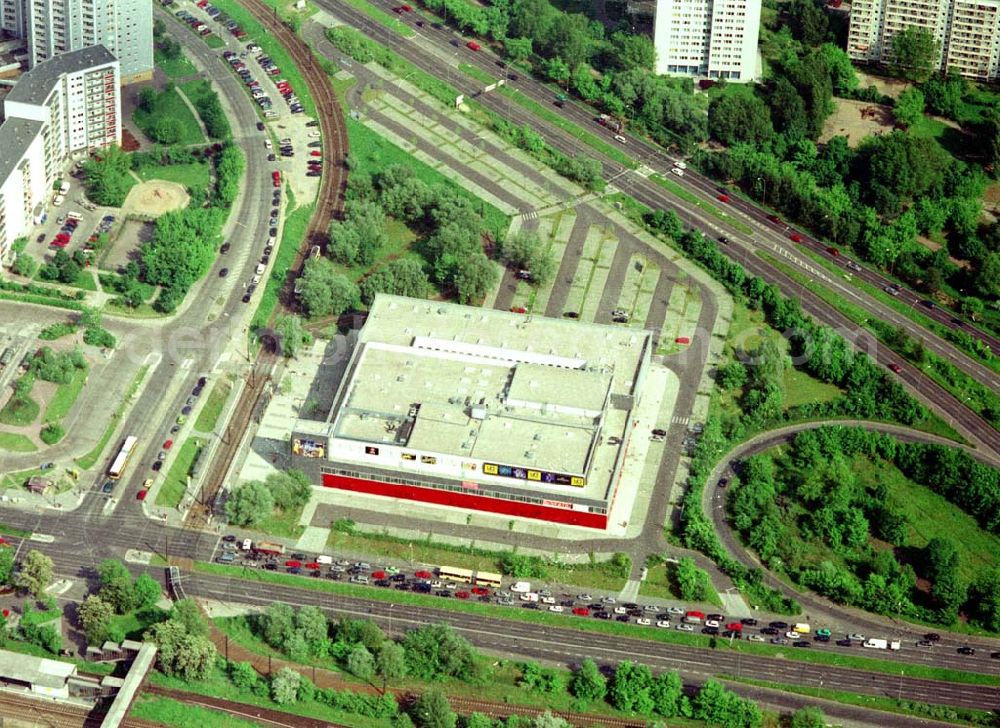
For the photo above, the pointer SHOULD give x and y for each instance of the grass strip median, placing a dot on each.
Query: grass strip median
(977, 397)
(169, 712)
(975, 348)
(391, 24)
(591, 140)
(597, 626)
(707, 207)
(172, 490)
(965, 716)
(87, 461)
(293, 233)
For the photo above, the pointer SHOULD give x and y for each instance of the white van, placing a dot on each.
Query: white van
(324, 560)
(521, 587)
(678, 171)
(247, 544)
(260, 268)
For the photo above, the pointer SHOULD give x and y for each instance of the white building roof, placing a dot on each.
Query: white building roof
(35, 670)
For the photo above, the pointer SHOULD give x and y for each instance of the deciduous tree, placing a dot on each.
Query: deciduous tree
(35, 573)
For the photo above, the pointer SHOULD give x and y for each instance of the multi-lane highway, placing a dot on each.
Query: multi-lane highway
(431, 51)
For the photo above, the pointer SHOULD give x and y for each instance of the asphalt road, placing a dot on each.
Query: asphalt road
(192, 343)
(431, 47)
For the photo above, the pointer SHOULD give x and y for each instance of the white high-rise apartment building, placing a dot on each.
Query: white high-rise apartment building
(68, 104)
(967, 32)
(715, 39)
(51, 27)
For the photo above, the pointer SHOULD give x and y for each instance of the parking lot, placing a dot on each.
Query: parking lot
(71, 226)
(281, 113)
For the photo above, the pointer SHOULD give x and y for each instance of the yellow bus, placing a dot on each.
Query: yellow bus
(453, 573)
(486, 578)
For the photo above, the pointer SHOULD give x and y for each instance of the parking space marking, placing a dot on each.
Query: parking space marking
(636, 296)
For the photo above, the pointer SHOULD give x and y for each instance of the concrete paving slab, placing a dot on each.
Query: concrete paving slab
(313, 539)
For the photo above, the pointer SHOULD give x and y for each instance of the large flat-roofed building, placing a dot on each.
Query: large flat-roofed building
(483, 410)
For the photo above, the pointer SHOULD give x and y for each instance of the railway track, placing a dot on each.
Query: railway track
(333, 183)
(329, 205)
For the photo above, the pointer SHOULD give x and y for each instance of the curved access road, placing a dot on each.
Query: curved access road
(831, 613)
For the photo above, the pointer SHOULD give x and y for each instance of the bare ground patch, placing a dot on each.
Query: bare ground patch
(856, 120)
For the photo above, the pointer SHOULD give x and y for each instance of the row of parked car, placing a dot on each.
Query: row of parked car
(195, 24)
(65, 234)
(220, 17)
(258, 93)
(284, 88)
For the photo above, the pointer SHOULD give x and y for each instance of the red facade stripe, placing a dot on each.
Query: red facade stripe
(467, 501)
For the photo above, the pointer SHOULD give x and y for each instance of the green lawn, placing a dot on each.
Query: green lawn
(194, 176)
(65, 396)
(800, 388)
(86, 281)
(133, 624)
(371, 152)
(174, 713)
(930, 515)
(170, 105)
(200, 93)
(175, 484)
(272, 47)
(19, 412)
(174, 67)
(292, 234)
(400, 239)
(86, 462)
(16, 442)
(209, 414)
(215, 42)
(659, 584)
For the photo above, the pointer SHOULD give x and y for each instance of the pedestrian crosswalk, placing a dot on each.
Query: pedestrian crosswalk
(529, 215)
(677, 420)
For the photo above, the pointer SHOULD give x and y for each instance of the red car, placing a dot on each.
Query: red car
(472, 45)
(518, 309)
(406, 7)
(276, 178)
(734, 627)
(682, 340)
(141, 495)
(481, 591)
(168, 444)
(312, 565)
(795, 238)
(462, 595)
(293, 564)
(315, 153)
(581, 611)
(896, 368)
(833, 251)
(774, 218)
(422, 574)
(695, 614)
(723, 198)
(377, 575)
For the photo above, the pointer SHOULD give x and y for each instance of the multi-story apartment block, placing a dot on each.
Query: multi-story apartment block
(715, 39)
(63, 106)
(51, 27)
(967, 32)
